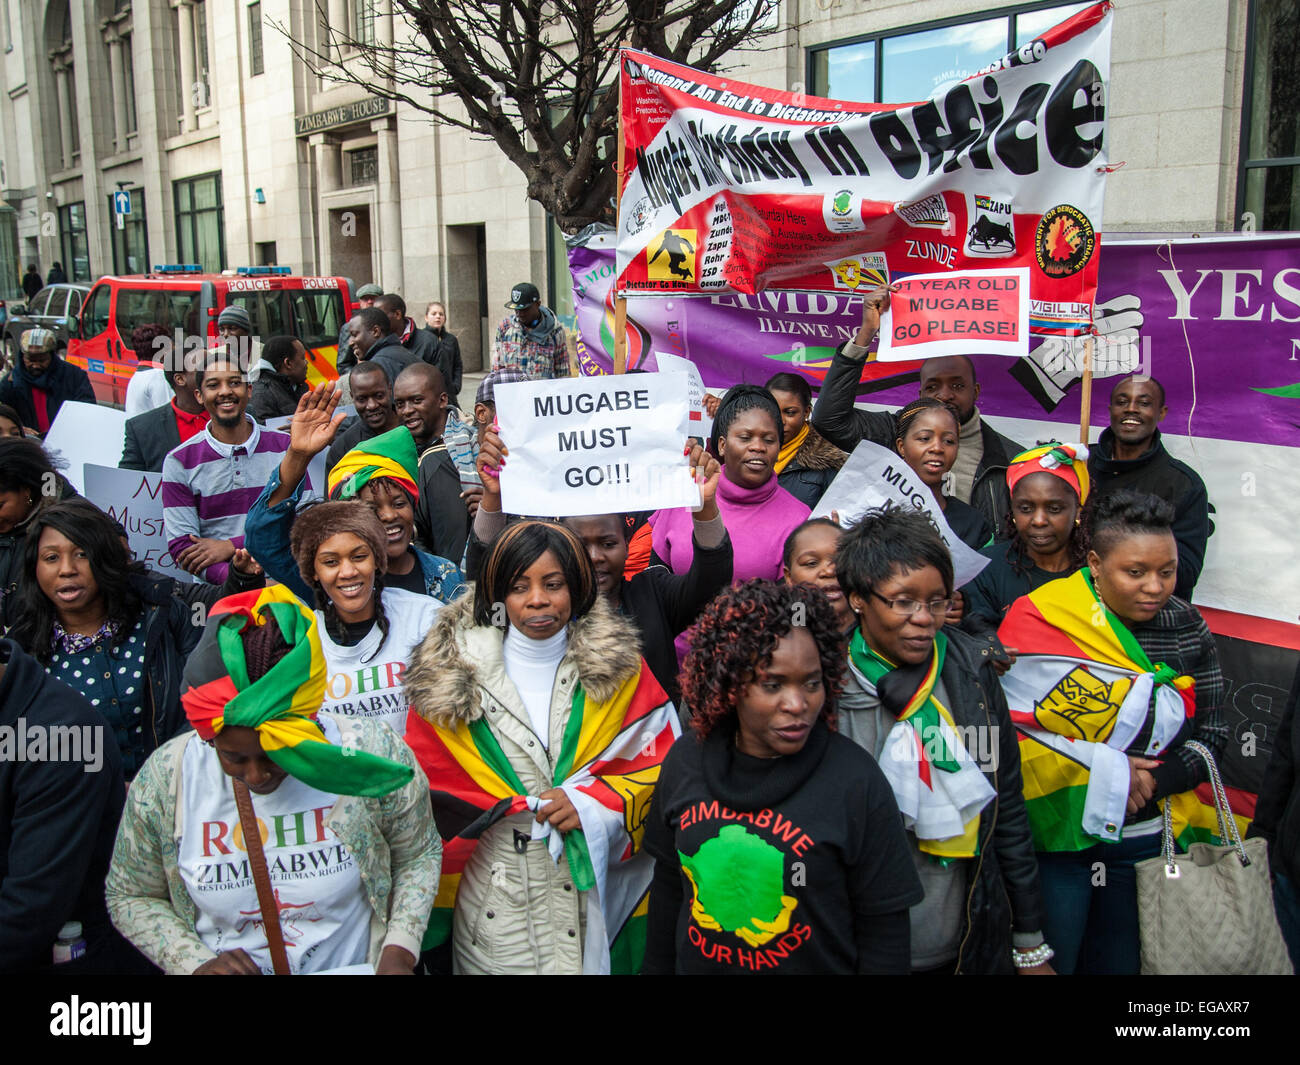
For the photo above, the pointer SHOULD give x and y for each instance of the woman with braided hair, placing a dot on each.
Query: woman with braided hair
(777, 843)
(758, 513)
(927, 438)
(1045, 534)
(348, 841)
(367, 630)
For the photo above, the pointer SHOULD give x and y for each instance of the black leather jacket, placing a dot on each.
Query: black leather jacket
(839, 421)
(1002, 891)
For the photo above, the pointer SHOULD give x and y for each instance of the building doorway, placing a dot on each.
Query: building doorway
(349, 253)
(467, 295)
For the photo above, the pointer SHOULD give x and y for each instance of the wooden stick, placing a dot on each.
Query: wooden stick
(1085, 402)
(620, 301)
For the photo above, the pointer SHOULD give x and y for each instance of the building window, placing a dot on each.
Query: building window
(131, 242)
(200, 222)
(266, 253)
(201, 52)
(128, 76)
(367, 14)
(254, 40)
(1268, 184)
(76, 246)
(363, 166)
(913, 63)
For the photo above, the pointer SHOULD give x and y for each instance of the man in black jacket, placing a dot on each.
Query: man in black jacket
(1130, 456)
(282, 381)
(372, 398)
(366, 296)
(983, 455)
(32, 283)
(372, 336)
(149, 436)
(61, 797)
(42, 382)
(441, 517)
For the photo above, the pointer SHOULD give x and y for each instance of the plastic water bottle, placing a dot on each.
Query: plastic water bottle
(70, 945)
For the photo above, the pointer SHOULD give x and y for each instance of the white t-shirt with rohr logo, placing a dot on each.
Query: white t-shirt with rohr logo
(365, 680)
(324, 911)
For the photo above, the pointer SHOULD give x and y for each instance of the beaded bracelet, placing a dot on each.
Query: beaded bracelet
(1027, 959)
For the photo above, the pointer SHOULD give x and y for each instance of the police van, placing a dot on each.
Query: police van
(185, 302)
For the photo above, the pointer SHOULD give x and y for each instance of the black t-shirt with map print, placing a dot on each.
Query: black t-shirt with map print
(796, 864)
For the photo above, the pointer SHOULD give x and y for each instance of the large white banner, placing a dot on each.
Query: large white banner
(874, 476)
(596, 445)
(736, 187)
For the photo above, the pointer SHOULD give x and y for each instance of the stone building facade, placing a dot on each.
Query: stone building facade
(235, 152)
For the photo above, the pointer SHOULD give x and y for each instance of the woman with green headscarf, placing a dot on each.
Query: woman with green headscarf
(341, 805)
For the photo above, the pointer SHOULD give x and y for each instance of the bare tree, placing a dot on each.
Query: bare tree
(537, 76)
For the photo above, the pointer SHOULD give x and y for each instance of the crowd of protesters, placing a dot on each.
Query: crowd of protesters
(434, 714)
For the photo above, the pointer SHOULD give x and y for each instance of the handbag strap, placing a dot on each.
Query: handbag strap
(1222, 810)
(261, 878)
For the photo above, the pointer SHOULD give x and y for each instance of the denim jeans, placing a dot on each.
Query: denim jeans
(1090, 906)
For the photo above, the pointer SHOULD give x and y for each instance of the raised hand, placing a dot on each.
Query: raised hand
(314, 423)
(492, 454)
(705, 469)
(874, 304)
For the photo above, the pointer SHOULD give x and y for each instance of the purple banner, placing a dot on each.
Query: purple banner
(1216, 320)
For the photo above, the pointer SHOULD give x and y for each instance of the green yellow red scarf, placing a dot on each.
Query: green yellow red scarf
(391, 455)
(281, 705)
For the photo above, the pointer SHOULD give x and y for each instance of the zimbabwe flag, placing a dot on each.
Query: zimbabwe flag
(1080, 693)
(608, 763)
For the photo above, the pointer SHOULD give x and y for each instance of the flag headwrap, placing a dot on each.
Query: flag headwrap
(280, 705)
(1066, 461)
(391, 455)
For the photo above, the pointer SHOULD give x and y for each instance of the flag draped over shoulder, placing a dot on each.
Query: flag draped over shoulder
(1080, 693)
(608, 764)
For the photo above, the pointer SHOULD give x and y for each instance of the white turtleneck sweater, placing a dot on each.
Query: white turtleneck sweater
(532, 665)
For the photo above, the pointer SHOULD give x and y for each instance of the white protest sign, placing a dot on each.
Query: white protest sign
(134, 498)
(961, 312)
(701, 423)
(874, 476)
(86, 433)
(595, 445)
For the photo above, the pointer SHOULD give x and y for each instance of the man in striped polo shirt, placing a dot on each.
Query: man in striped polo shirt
(210, 482)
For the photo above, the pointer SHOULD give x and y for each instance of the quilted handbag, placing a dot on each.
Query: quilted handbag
(1209, 911)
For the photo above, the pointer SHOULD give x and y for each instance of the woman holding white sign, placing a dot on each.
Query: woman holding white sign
(661, 604)
(759, 513)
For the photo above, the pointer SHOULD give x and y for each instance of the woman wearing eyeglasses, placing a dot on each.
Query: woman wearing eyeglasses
(924, 700)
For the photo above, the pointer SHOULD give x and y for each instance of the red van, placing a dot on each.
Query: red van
(182, 297)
